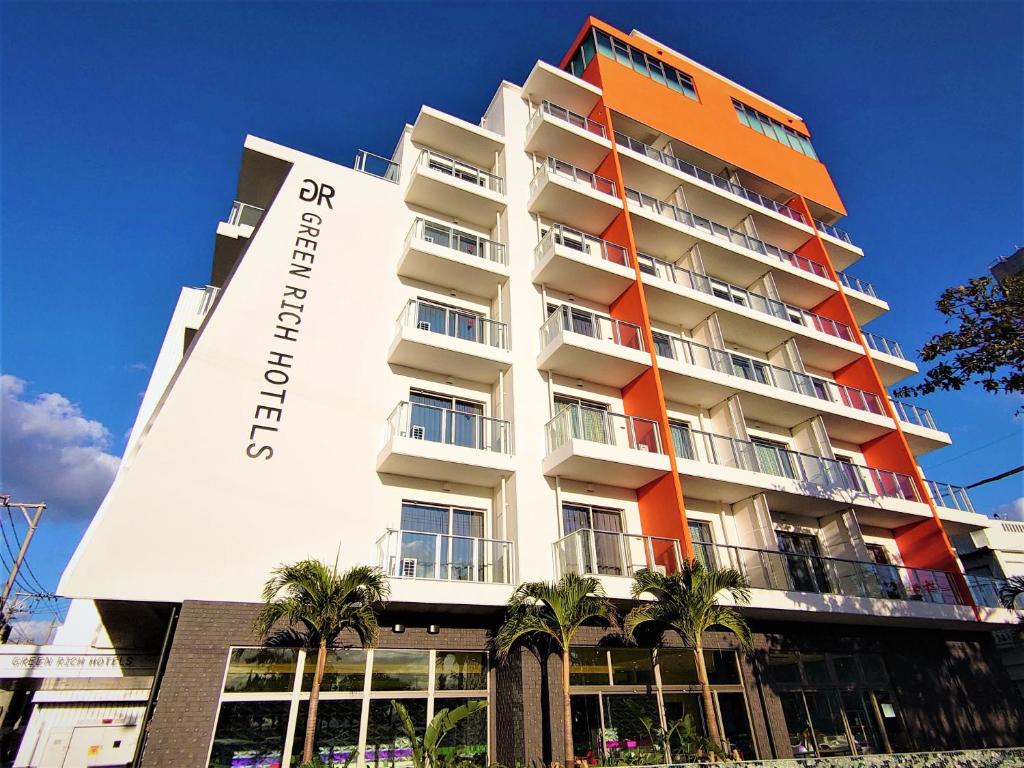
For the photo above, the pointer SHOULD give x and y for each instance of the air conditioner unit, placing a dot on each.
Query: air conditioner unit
(418, 432)
(423, 325)
(408, 567)
(643, 447)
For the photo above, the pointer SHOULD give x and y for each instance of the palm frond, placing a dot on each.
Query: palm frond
(1010, 591)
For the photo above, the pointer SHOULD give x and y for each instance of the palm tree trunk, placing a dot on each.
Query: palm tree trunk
(314, 703)
(710, 718)
(567, 709)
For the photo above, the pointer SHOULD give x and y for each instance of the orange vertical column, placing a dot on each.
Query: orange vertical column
(923, 544)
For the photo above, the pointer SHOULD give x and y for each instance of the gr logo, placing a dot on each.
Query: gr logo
(313, 191)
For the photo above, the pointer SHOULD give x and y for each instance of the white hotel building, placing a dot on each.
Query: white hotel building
(606, 328)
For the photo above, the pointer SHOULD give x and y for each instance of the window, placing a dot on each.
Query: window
(703, 544)
(258, 670)
(458, 323)
(589, 419)
(663, 345)
(345, 670)
(253, 729)
(649, 66)
(601, 537)
(803, 563)
(399, 670)
(773, 129)
(682, 439)
(773, 457)
(460, 671)
(449, 420)
(441, 542)
(751, 369)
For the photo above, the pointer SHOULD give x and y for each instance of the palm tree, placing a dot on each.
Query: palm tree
(687, 601)
(1010, 591)
(324, 603)
(540, 610)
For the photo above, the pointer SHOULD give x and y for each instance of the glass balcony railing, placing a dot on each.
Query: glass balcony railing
(445, 557)
(592, 325)
(464, 242)
(450, 427)
(675, 347)
(244, 215)
(596, 425)
(913, 414)
(798, 572)
(461, 170)
(710, 178)
(737, 295)
(949, 496)
(612, 553)
(815, 472)
(573, 239)
(733, 236)
(856, 284)
(555, 167)
(567, 116)
(884, 345)
(376, 165)
(834, 231)
(985, 591)
(454, 323)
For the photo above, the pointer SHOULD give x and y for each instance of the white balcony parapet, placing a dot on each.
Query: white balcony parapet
(463, 242)
(404, 554)
(599, 426)
(949, 496)
(611, 553)
(559, 234)
(709, 178)
(461, 170)
(733, 236)
(827, 474)
(449, 427)
(795, 572)
(567, 116)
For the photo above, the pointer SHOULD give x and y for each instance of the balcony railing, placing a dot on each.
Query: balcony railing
(450, 427)
(949, 496)
(710, 178)
(733, 236)
(461, 170)
(985, 591)
(244, 215)
(744, 367)
(734, 293)
(914, 414)
(568, 171)
(611, 553)
(582, 242)
(795, 572)
(464, 242)
(442, 556)
(856, 284)
(595, 425)
(376, 165)
(768, 459)
(567, 116)
(882, 344)
(832, 229)
(454, 323)
(593, 325)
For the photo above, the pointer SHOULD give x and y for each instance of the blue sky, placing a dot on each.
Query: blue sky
(123, 124)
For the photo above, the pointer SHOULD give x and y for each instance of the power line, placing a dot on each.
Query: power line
(19, 579)
(1015, 433)
(38, 585)
(1000, 476)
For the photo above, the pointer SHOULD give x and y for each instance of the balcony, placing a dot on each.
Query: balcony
(377, 165)
(562, 192)
(245, 217)
(913, 592)
(444, 132)
(920, 428)
(665, 230)
(946, 496)
(586, 345)
(555, 131)
(707, 194)
(444, 557)
(731, 469)
(577, 263)
(588, 552)
(595, 446)
(863, 300)
(841, 250)
(456, 188)
(437, 338)
(892, 364)
(447, 445)
(443, 255)
(686, 298)
(699, 375)
(546, 82)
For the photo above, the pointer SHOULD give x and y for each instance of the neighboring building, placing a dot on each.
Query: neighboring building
(603, 330)
(1008, 266)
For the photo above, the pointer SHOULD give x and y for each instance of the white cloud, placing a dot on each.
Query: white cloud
(1013, 510)
(50, 452)
(32, 631)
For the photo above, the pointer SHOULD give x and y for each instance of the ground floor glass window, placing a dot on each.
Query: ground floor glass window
(250, 731)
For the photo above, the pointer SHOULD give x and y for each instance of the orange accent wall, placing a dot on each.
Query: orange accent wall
(711, 123)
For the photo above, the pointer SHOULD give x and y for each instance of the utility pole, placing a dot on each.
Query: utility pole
(33, 523)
